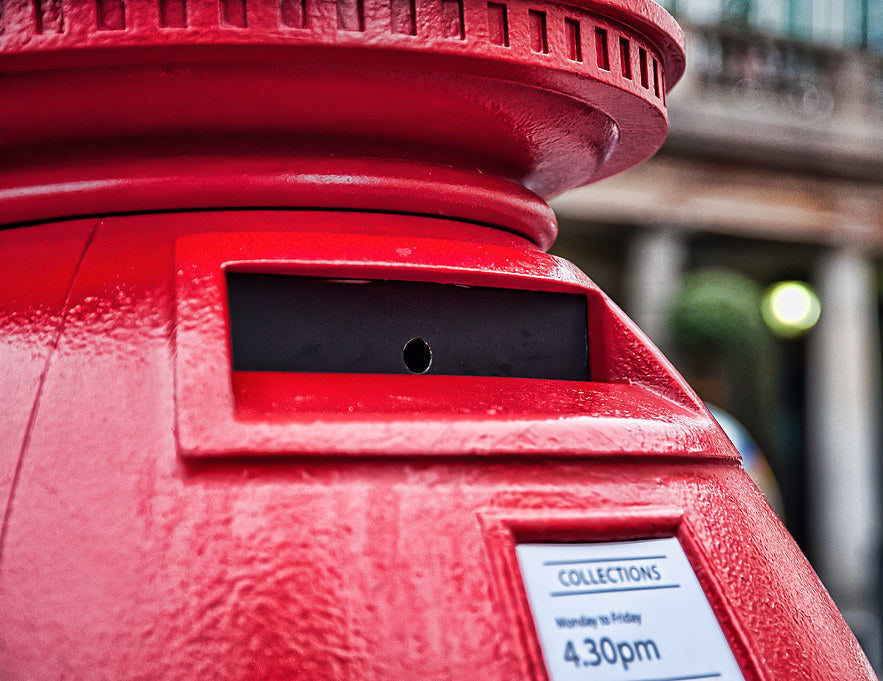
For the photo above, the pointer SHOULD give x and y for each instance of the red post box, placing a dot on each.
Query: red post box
(292, 390)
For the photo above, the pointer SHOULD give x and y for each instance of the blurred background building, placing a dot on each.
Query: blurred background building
(773, 172)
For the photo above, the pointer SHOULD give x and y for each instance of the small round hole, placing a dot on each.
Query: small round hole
(417, 356)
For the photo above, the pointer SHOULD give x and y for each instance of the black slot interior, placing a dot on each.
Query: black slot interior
(309, 324)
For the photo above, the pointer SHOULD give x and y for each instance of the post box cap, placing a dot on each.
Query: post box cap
(114, 105)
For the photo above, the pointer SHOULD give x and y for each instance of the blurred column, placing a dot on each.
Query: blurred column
(843, 376)
(655, 266)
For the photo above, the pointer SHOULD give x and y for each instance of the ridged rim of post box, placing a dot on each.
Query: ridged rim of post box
(49, 26)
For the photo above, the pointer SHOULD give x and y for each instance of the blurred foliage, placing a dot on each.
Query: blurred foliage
(718, 311)
(723, 344)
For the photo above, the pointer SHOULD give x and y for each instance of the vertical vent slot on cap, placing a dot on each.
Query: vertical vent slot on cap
(498, 24)
(572, 37)
(539, 40)
(602, 53)
(625, 58)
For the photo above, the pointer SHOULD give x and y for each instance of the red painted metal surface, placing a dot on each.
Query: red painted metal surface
(133, 550)
(168, 517)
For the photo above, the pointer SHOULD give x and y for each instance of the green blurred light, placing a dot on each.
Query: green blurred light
(791, 308)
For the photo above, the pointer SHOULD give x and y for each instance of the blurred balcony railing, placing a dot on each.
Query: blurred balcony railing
(812, 106)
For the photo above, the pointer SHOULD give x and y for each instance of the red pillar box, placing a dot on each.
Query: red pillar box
(291, 389)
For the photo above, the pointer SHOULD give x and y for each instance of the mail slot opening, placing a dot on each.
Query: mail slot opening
(290, 323)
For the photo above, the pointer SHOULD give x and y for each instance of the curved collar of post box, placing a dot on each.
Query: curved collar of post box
(145, 185)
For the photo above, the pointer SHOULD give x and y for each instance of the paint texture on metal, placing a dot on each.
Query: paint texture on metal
(38, 266)
(168, 517)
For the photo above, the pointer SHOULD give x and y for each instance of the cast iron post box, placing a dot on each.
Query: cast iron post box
(292, 390)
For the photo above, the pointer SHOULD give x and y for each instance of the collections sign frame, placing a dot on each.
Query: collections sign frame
(629, 631)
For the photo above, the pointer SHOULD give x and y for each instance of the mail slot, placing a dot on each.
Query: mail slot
(290, 323)
(292, 389)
